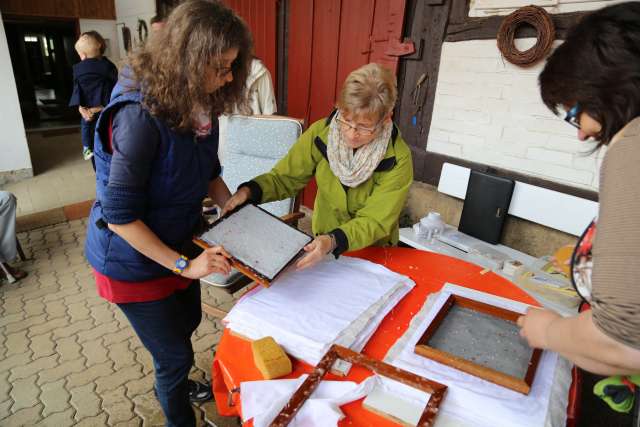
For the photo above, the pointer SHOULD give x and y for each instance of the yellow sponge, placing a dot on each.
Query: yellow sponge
(270, 358)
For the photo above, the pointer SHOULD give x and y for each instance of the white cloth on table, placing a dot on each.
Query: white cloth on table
(340, 301)
(470, 400)
(263, 400)
(397, 400)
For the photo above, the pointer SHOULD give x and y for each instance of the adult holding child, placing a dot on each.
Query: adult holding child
(362, 166)
(595, 77)
(156, 160)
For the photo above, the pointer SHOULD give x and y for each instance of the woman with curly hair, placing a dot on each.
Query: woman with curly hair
(595, 77)
(156, 160)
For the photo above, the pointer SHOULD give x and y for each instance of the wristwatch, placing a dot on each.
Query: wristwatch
(334, 244)
(181, 264)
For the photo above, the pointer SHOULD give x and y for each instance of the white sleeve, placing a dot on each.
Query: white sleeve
(263, 100)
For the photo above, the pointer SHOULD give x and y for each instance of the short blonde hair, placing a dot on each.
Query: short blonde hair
(89, 46)
(371, 89)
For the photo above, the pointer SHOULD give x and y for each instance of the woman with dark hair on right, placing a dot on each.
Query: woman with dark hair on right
(595, 76)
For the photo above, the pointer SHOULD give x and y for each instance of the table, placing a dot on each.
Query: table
(233, 362)
(564, 304)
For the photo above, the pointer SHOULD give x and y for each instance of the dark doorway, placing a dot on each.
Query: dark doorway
(42, 55)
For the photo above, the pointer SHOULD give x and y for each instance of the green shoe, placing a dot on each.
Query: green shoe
(87, 154)
(617, 392)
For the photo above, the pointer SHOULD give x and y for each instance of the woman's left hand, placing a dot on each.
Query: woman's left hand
(316, 251)
(535, 325)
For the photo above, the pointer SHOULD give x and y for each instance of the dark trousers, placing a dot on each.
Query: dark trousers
(165, 329)
(87, 130)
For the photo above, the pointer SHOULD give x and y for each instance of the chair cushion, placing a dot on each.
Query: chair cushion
(266, 137)
(253, 146)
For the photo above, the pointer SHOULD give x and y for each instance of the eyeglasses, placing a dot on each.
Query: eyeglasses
(223, 72)
(357, 129)
(573, 116)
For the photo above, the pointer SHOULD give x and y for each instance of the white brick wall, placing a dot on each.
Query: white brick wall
(505, 7)
(489, 111)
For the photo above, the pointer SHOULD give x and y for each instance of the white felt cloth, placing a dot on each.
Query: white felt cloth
(263, 400)
(469, 400)
(397, 401)
(340, 301)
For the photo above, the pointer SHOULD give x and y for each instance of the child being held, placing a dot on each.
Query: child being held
(93, 80)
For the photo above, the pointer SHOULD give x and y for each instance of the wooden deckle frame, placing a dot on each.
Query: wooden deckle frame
(521, 385)
(306, 389)
(238, 264)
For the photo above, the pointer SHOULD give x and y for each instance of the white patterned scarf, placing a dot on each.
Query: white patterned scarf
(354, 168)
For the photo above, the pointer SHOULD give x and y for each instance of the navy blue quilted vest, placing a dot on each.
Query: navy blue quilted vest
(180, 175)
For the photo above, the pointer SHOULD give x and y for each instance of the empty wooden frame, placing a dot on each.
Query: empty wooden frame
(306, 389)
(261, 245)
(486, 344)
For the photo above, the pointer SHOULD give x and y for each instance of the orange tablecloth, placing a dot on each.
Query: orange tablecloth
(233, 361)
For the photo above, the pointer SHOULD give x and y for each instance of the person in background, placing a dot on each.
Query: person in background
(595, 77)
(261, 99)
(93, 80)
(362, 166)
(260, 94)
(157, 22)
(8, 246)
(156, 160)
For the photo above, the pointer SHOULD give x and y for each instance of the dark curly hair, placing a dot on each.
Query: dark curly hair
(598, 67)
(171, 66)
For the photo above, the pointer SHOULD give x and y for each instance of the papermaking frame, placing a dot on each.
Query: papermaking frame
(306, 389)
(520, 385)
(241, 266)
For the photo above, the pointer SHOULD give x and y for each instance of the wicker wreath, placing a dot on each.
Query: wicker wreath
(539, 19)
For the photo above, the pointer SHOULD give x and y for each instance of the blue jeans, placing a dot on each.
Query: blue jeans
(87, 130)
(165, 329)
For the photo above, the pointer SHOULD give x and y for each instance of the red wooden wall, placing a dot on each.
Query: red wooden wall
(261, 17)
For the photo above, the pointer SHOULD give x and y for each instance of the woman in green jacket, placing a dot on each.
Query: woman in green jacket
(361, 164)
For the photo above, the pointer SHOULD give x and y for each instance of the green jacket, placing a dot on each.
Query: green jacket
(358, 217)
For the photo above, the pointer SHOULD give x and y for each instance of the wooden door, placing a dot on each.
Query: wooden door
(261, 18)
(330, 38)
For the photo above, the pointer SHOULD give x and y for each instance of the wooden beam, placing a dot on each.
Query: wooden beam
(487, 28)
(459, 11)
(427, 22)
(431, 167)
(282, 55)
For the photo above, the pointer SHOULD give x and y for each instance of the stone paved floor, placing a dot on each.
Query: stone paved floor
(61, 178)
(67, 357)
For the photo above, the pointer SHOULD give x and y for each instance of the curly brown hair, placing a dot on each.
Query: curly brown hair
(171, 66)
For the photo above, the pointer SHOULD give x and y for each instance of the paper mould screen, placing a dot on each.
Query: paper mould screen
(257, 239)
(483, 339)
